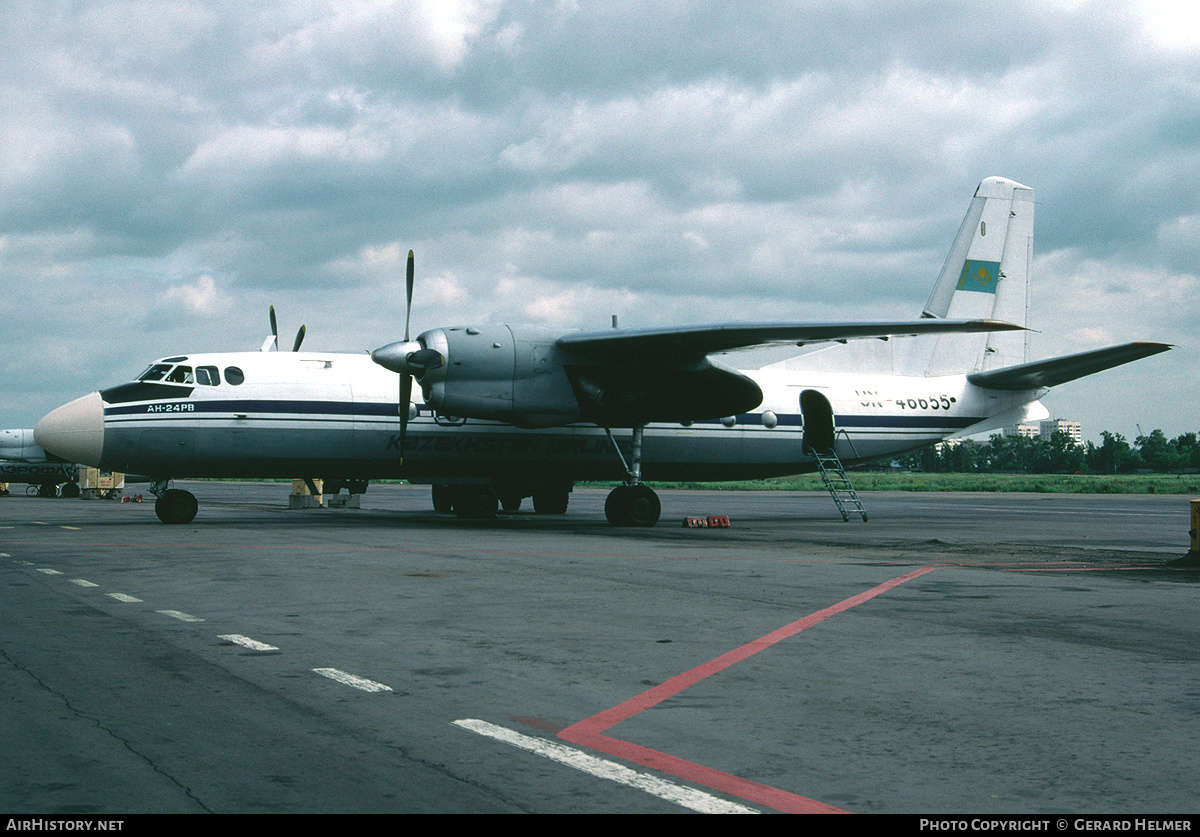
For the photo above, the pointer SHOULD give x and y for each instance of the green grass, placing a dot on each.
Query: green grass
(1036, 483)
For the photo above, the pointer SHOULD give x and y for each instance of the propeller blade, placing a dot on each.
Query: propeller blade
(299, 339)
(272, 342)
(408, 295)
(404, 367)
(406, 382)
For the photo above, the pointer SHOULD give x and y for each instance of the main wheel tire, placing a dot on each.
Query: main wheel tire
(176, 506)
(443, 499)
(475, 503)
(551, 502)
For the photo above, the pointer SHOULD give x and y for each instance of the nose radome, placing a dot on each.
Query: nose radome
(75, 431)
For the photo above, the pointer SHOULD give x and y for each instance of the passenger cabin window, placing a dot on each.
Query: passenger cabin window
(233, 375)
(180, 375)
(208, 376)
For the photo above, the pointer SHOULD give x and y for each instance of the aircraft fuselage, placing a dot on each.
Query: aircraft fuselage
(332, 415)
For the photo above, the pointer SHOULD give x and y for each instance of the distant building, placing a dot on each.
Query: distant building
(1072, 428)
(1026, 430)
(1046, 429)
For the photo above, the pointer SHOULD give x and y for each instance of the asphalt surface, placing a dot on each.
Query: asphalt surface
(957, 653)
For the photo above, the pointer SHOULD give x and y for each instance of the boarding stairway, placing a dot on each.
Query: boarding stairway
(833, 474)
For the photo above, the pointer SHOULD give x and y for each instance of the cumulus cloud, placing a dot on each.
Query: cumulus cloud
(557, 162)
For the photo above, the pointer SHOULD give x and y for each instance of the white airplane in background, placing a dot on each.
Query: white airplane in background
(511, 412)
(22, 460)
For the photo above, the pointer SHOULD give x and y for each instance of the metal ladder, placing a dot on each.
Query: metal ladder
(833, 474)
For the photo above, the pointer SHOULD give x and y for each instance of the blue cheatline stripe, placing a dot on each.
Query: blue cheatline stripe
(932, 420)
(329, 408)
(343, 410)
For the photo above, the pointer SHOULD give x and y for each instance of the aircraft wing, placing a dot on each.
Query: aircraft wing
(626, 377)
(1059, 370)
(697, 341)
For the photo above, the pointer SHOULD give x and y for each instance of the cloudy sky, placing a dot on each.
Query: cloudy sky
(170, 169)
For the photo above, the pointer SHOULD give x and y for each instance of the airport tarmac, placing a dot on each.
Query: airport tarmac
(957, 654)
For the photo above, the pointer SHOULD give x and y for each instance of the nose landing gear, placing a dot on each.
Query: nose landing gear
(634, 503)
(174, 505)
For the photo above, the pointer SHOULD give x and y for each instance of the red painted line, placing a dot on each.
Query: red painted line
(589, 732)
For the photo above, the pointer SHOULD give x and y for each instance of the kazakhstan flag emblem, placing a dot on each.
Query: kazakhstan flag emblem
(979, 276)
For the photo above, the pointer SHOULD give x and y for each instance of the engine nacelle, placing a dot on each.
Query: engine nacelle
(19, 445)
(513, 374)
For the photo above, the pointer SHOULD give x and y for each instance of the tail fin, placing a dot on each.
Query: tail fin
(986, 276)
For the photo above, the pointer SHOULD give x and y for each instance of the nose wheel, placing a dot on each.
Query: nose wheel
(634, 503)
(176, 506)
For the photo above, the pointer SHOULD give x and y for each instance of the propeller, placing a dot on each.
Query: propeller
(407, 357)
(272, 342)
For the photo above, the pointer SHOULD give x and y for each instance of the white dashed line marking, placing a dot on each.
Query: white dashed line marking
(696, 800)
(180, 615)
(124, 597)
(48, 571)
(352, 680)
(247, 642)
(83, 582)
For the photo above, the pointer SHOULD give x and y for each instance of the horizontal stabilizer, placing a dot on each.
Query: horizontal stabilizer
(698, 341)
(1059, 370)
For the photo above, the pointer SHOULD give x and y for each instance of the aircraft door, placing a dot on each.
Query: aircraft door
(817, 415)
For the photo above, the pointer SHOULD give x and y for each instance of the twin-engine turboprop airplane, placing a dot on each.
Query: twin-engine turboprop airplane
(511, 412)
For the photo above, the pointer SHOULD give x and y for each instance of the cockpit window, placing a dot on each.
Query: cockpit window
(156, 372)
(208, 376)
(180, 375)
(233, 375)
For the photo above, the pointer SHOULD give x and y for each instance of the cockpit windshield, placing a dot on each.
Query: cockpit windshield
(156, 372)
(208, 376)
(180, 375)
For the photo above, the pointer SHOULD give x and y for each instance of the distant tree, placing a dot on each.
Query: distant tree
(930, 460)
(1057, 455)
(1157, 452)
(1189, 450)
(1111, 456)
(963, 457)
(1009, 454)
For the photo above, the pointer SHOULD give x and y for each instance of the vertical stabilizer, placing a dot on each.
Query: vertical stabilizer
(986, 276)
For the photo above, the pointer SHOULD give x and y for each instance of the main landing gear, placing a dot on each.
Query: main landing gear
(634, 503)
(481, 502)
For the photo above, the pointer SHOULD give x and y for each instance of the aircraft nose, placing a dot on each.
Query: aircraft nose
(75, 431)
